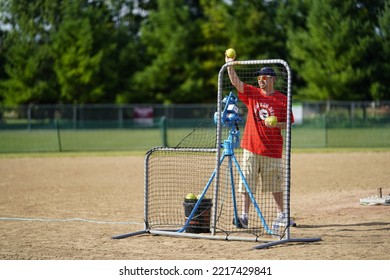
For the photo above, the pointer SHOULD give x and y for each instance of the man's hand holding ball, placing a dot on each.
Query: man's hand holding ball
(271, 121)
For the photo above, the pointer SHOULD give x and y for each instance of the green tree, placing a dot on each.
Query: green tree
(79, 49)
(215, 33)
(381, 89)
(333, 53)
(71, 51)
(130, 56)
(119, 38)
(253, 29)
(291, 17)
(28, 55)
(171, 37)
(2, 62)
(128, 51)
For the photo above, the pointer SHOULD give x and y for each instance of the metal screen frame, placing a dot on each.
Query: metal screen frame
(287, 153)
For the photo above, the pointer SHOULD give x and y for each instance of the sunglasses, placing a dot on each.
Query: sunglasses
(263, 77)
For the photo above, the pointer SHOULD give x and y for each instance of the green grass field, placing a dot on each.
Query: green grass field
(340, 137)
(22, 141)
(78, 140)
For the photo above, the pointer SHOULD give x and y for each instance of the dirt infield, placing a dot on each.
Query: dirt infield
(70, 207)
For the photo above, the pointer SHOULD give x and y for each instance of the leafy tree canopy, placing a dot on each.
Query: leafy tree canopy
(170, 51)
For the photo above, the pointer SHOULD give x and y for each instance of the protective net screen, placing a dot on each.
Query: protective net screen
(253, 202)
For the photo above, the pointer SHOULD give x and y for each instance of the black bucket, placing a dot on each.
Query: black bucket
(200, 222)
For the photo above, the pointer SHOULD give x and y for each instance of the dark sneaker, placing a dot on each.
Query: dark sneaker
(242, 222)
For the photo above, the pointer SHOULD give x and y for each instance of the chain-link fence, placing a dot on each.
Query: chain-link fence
(54, 128)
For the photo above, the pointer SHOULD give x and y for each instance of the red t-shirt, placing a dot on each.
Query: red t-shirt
(259, 138)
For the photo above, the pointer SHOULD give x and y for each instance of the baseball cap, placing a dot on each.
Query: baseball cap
(266, 71)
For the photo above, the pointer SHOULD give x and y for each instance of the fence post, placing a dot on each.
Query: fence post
(74, 116)
(58, 134)
(29, 117)
(326, 129)
(120, 116)
(163, 126)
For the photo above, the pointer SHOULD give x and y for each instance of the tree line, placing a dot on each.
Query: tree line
(170, 51)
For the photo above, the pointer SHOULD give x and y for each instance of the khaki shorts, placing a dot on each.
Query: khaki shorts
(265, 172)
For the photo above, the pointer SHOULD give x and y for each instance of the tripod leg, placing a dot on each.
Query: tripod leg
(252, 197)
(200, 198)
(236, 222)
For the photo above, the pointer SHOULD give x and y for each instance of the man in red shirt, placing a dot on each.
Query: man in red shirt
(262, 141)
